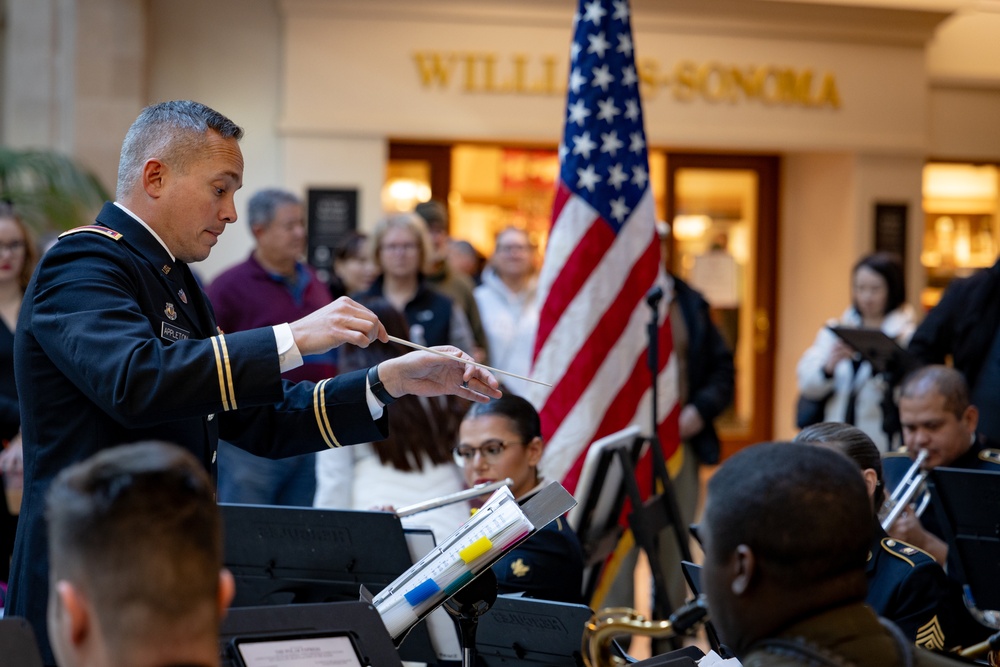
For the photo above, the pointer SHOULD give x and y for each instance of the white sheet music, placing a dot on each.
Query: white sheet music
(497, 526)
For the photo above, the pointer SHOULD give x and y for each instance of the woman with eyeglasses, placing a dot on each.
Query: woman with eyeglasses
(402, 246)
(18, 256)
(413, 464)
(502, 439)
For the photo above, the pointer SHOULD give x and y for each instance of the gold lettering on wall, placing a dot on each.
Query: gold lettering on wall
(711, 81)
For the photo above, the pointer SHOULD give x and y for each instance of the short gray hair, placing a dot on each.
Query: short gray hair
(172, 131)
(262, 206)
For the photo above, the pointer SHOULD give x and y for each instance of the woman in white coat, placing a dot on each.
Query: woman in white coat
(830, 368)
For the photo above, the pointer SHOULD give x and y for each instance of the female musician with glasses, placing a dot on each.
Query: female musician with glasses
(501, 439)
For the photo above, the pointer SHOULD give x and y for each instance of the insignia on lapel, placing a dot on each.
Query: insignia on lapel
(165, 269)
(182, 295)
(170, 311)
(518, 568)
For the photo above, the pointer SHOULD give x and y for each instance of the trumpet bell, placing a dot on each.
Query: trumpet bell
(912, 485)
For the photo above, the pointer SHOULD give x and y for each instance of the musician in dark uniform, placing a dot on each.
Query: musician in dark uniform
(784, 568)
(117, 343)
(937, 417)
(502, 439)
(905, 584)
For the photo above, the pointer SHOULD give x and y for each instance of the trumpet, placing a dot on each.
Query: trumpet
(914, 483)
(608, 623)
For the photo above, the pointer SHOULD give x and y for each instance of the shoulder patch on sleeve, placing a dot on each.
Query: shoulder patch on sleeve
(930, 635)
(94, 229)
(903, 550)
(990, 456)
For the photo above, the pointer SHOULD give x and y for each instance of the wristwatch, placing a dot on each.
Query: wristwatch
(378, 389)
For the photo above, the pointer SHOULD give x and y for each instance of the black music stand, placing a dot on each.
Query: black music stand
(601, 491)
(660, 511)
(887, 358)
(968, 506)
(882, 352)
(17, 643)
(288, 623)
(298, 555)
(524, 632)
(692, 574)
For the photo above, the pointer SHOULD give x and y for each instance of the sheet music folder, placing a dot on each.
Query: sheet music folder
(305, 555)
(970, 503)
(289, 622)
(601, 491)
(498, 526)
(882, 352)
(523, 632)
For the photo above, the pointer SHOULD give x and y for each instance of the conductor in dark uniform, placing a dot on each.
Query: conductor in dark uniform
(117, 343)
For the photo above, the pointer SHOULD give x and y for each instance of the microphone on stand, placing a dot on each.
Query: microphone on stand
(653, 296)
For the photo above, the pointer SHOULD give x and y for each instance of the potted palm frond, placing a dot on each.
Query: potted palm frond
(50, 191)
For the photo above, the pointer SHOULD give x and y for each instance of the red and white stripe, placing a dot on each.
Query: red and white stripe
(592, 337)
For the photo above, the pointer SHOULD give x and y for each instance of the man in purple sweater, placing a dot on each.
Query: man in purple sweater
(272, 286)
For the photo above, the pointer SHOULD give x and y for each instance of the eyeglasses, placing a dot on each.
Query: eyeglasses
(12, 247)
(512, 248)
(491, 451)
(399, 247)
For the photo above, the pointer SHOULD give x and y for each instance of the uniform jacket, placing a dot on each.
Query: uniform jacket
(548, 565)
(116, 343)
(962, 324)
(906, 586)
(851, 634)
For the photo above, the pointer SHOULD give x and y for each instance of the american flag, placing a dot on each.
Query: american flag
(602, 258)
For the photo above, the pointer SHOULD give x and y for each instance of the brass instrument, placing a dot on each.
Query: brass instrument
(608, 623)
(914, 483)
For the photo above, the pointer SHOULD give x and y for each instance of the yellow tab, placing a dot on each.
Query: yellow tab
(475, 550)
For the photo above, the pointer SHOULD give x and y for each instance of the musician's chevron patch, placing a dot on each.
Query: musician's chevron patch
(930, 635)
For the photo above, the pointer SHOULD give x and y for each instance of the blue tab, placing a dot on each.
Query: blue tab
(421, 592)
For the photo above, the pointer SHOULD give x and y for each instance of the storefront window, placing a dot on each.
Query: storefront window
(960, 203)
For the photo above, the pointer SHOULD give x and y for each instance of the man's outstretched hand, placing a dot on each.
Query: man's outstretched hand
(426, 374)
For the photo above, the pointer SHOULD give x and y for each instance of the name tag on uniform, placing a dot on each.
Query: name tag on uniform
(170, 332)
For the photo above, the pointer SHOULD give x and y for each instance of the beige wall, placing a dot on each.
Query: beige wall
(74, 78)
(817, 245)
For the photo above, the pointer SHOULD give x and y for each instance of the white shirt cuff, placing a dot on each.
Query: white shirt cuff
(289, 356)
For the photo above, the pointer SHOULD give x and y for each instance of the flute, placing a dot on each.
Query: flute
(468, 494)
